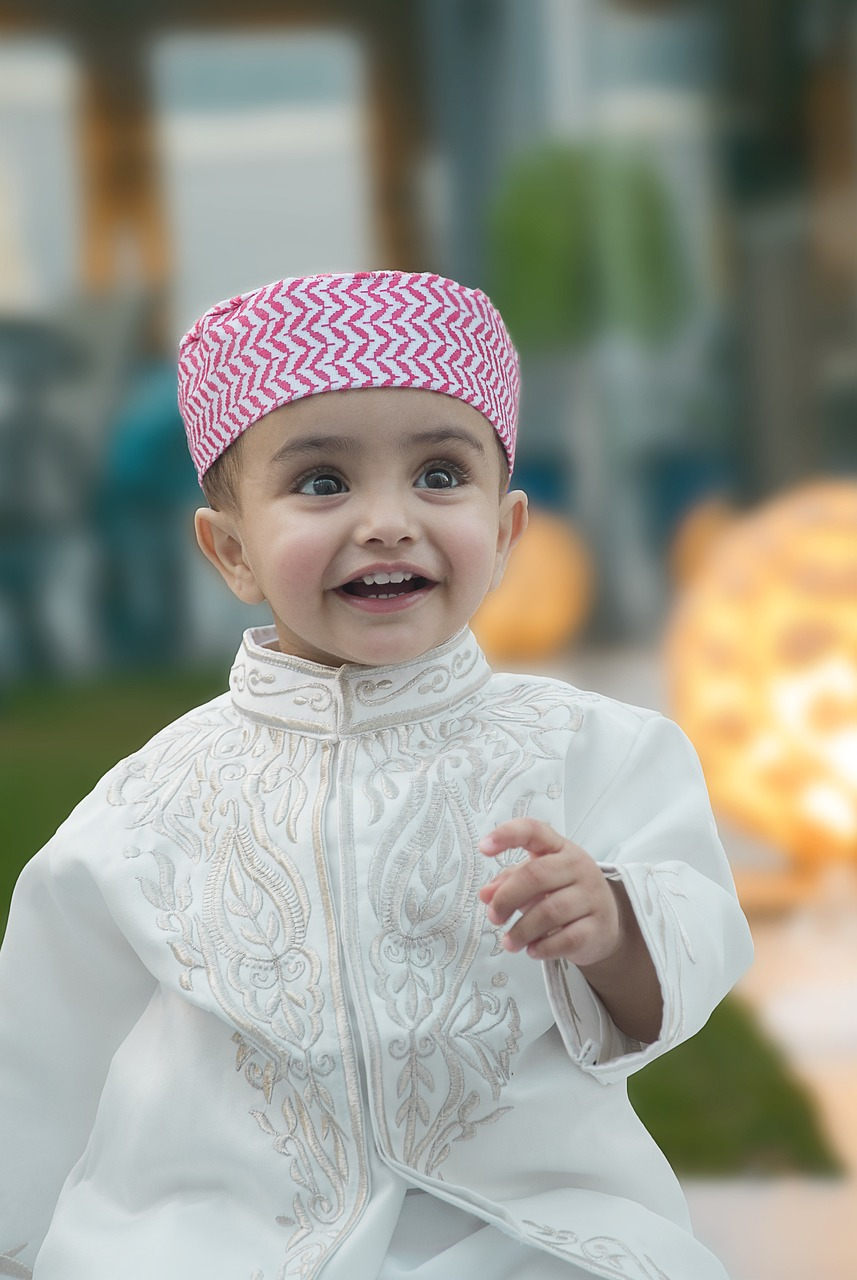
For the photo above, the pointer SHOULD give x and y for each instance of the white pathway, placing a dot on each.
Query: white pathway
(779, 1229)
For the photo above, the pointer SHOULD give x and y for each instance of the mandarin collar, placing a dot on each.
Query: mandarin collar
(306, 697)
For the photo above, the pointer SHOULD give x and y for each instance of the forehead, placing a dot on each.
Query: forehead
(353, 418)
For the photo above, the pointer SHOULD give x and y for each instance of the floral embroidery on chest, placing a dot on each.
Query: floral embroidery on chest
(434, 1002)
(230, 814)
(233, 819)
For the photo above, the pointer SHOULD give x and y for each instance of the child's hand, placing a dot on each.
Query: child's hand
(568, 907)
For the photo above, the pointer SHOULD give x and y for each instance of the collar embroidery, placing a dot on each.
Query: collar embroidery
(330, 702)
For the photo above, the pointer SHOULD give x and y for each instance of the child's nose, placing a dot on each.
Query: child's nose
(387, 518)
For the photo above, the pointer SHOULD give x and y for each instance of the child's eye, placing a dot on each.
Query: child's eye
(321, 485)
(436, 477)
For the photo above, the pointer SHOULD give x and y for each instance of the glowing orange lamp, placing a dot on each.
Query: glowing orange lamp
(698, 532)
(545, 595)
(762, 655)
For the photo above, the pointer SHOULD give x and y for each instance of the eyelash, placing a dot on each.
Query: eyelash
(315, 474)
(458, 470)
(461, 473)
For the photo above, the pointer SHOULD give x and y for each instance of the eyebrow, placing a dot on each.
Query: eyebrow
(336, 444)
(443, 435)
(315, 444)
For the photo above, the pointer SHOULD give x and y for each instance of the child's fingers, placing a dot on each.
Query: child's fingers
(555, 912)
(522, 833)
(578, 942)
(487, 892)
(517, 888)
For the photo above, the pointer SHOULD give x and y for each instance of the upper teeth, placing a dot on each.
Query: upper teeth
(381, 579)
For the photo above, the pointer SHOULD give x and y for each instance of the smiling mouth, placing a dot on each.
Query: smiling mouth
(385, 586)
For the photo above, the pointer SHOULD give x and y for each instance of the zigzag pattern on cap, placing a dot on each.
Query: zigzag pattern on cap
(310, 334)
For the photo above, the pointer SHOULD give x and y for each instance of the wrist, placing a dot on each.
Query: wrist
(625, 979)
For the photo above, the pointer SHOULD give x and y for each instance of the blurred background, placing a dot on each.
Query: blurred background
(659, 197)
(662, 200)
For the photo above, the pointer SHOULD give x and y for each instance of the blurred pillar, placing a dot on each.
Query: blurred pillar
(766, 59)
(463, 46)
(40, 198)
(398, 128)
(831, 117)
(778, 336)
(125, 240)
(832, 137)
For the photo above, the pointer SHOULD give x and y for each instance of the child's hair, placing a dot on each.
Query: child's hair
(299, 337)
(220, 482)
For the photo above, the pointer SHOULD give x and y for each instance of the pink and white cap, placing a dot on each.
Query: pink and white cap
(301, 336)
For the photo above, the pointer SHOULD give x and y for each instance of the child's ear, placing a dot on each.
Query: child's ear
(513, 523)
(220, 541)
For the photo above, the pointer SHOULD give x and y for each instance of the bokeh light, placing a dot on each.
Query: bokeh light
(763, 663)
(544, 598)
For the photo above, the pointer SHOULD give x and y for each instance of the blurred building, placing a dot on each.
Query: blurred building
(157, 157)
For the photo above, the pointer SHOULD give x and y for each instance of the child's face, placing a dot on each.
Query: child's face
(349, 485)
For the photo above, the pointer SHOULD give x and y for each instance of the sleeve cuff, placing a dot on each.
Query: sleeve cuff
(590, 1035)
(673, 904)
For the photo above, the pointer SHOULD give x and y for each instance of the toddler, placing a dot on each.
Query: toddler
(342, 974)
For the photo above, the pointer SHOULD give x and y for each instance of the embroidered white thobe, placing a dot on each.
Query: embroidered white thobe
(253, 966)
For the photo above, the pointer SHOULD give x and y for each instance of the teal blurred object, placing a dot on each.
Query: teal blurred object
(141, 515)
(147, 458)
(41, 478)
(584, 239)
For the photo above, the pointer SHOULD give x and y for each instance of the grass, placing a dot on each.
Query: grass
(726, 1104)
(56, 742)
(722, 1104)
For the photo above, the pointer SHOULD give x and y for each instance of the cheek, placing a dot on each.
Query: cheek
(474, 540)
(292, 561)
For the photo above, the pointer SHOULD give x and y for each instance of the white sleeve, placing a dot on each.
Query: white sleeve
(71, 987)
(652, 828)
